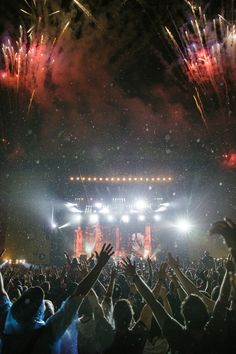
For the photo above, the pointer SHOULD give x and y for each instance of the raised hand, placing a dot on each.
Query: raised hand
(128, 267)
(2, 252)
(227, 229)
(229, 265)
(83, 268)
(105, 254)
(173, 263)
(162, 271)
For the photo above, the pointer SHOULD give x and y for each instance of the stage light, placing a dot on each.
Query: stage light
(184, 225)
(125, 218)
(64, 226)
(145, 253)
(161, 209)
(104, 210)
(98, 205)
(53, 225)
(157, 217)
(89, 249)
(110, 218)
(140, 204)
(93, 218)
(141, 217)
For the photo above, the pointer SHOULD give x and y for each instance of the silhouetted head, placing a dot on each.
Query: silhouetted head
(123, 314)
(194, 312)
(29, 307)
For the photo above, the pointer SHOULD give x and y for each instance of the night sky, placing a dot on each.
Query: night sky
(110, 98)
(116, 94)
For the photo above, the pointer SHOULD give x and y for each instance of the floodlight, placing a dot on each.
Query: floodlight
(184, 225)
(104, 210)
(93, 218)
(53, 225)
(98, 205)
(64, 226)
(110, 218)
(140, 204)
(157, 217)
(125, 218)
(141, 217)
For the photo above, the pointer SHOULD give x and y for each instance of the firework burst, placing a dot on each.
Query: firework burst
(207, 55)
(29, 59)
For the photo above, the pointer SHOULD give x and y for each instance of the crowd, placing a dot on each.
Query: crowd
(99, 306)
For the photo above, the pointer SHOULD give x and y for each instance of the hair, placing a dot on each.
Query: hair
(194, 312)
(29, 305)
(123, 314)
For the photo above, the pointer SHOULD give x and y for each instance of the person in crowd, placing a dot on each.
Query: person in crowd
(24, 330)
(200, 334)
(104, 307)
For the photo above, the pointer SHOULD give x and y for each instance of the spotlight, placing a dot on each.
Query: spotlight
(78, 218)
(157, 217)
(98, 205)
(53, 225)
(161, 209)
(104, 210)
(89, 249)
(184, 225)
(63, 226)
(93, 218)
(110, 218)
(140, 204)
(125, 218)
(141, 217)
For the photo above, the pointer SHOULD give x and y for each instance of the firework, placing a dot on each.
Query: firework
(207, 54)
(29, 59)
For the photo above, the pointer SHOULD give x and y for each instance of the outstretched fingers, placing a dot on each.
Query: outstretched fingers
(2, 252)
(108, 249)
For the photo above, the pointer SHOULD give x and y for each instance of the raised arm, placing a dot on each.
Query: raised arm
(107, 303)
(150, 272)
(223, 298)
(227, 229)
(60, 321)
(158, 310)
(2, 288)
(87, 283)
(188, 285)
(68, 259)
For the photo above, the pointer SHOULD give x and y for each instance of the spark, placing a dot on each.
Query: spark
(31, 100)
(25, 12)
(207, 56)
(85, 10)
(28, 60)
(64, 28)
(54, 13)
